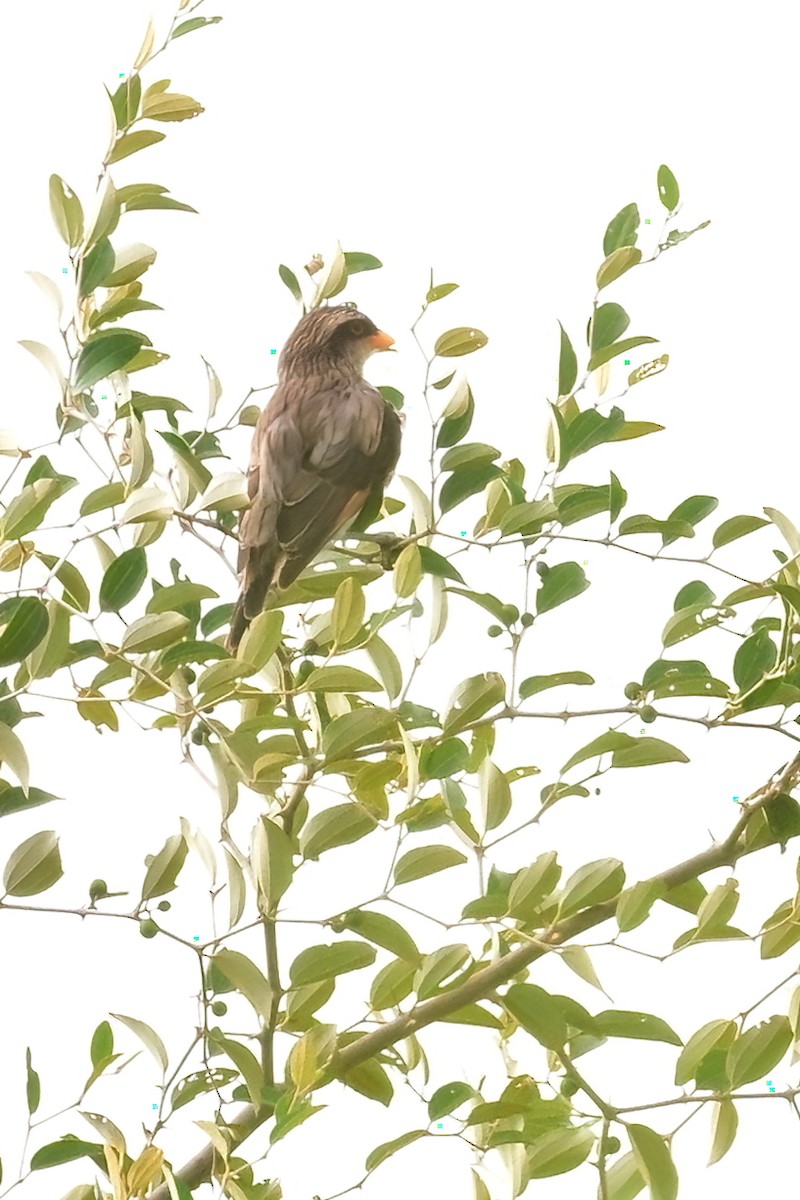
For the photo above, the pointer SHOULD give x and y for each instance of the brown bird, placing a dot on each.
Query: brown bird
(326, 443)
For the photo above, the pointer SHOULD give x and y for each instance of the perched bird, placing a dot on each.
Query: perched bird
(325, 444)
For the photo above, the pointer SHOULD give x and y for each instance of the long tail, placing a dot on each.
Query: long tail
(257, 578)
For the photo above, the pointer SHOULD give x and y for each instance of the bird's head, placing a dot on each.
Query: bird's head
(340, 337)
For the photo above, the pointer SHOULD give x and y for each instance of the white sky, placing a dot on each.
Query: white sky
(492, 144)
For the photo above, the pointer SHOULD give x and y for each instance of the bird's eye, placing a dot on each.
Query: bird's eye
(357, 328)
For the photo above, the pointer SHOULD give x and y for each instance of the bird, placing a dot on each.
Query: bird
(324, 446)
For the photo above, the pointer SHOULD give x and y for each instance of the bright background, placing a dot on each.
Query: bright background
(493, 144)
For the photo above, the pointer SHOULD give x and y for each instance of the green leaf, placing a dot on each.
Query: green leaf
(12, 753)
(387, 665)
(713, 1034)
(616, 264)
(758, 1050)
(567, 364)
(609, 323)
(245, 1062)
(66, 210)
(465, 482)
(246, 977)
(348, 611)
(611, 352)
(462, 340)
(392, 984)
(647, 752)
(439, 292)
(95, 266)
(326, 962)
(593, 883)
(54, 1154)
(655, 1162)
(426, 860)
(24, 622)
(532, 884)
(387, 1149)
(361, 727)
(26, 511)
(622, 229)
(723, 1129)
(271, 859)
(668, 191)
(169, 106)
(472, 698)
(407, 571)
(755, 657)
(486, 601)
(14, 799)
(132, 143)
(468, 452)
(198, 474)
(188, 27)
(356, 261)
(692, 510)
(447, 1098)
(289, 278)
(437, 564)
(340, 825)
(540, 683)
(104, 353)
(558, 1150)
(261, 639)
(634, 904)
(179, 595)
(736, 527)
(123, 580)
(620, 1023)
(444, 759)
(641, 523)
(383, 931)
(126, 100)
(538, 1013)
(154, 632)
(457, 417)
(438, 967)
(562, 582)
(107, 496)
(34, 866)
(162, 873)
(339, 678)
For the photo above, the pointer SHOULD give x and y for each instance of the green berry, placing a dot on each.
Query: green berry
(648, 714)
(148, 928)
(494, 630)
(633, 691)
(198, 736)
(612, 1145)
(542, 569)
(569, 1087)
(97, 889)
(526, 619)
(164, 906)
(510, 613)
(219, 1008)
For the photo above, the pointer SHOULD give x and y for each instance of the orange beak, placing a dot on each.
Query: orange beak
(381, 340)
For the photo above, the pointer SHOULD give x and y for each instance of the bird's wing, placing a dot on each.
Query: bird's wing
(317, 455)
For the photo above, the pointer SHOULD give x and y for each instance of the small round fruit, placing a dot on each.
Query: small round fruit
(612, 1145)
(164, 906)
(219, 1008)
(632, 690)
(98, 888)
(569, 1087)
(494, 630)
(648, 714)
(542, 569)
(526, 619)
(148, 928)
(198, 736)
(510, 613)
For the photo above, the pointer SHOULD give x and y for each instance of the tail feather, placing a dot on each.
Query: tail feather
(259, 570)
